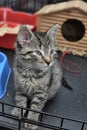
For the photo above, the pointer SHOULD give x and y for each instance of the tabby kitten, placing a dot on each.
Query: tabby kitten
(37, 72)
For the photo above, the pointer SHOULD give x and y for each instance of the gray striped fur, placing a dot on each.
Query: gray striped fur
(37, 72)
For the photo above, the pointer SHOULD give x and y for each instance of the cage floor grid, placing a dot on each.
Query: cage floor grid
(70, 107)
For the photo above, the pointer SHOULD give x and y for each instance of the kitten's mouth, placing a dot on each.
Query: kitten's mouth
(43, 66)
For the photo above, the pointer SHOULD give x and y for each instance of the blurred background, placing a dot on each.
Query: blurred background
(30, 6)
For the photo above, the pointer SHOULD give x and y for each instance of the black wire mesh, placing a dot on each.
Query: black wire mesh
(22, 119)
(30, 6)
(27, 5)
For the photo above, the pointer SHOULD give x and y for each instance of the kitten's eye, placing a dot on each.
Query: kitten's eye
(38, 53)
(52, 51)
(29, 52)
(26, 53)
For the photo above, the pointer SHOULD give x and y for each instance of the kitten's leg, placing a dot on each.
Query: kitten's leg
(37, 103)
(21, 101)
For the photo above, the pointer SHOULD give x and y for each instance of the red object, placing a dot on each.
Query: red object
(62, 60)
(12, 19)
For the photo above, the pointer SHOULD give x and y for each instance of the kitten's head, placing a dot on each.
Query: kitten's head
(37, 48)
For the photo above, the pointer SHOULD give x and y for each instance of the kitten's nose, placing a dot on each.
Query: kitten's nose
(47, 60)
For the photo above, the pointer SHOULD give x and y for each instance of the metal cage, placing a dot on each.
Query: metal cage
(21, 120)
(30, 6)
(7, 120)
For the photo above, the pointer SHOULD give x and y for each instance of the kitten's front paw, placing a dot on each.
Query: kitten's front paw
(17, 112)
(30, 126)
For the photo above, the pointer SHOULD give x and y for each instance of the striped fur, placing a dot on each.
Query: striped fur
(37, 72)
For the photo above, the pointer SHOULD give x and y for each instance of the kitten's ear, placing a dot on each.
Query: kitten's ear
(24, 35)
(51, 33)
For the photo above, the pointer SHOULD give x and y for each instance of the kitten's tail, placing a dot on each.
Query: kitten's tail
(66, 85)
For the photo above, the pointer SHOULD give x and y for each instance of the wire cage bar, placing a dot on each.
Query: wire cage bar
(22, 119)
(27, 5)
(30, 6)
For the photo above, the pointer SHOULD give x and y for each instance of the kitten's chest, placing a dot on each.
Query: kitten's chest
(33, 79)
(41, 81)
